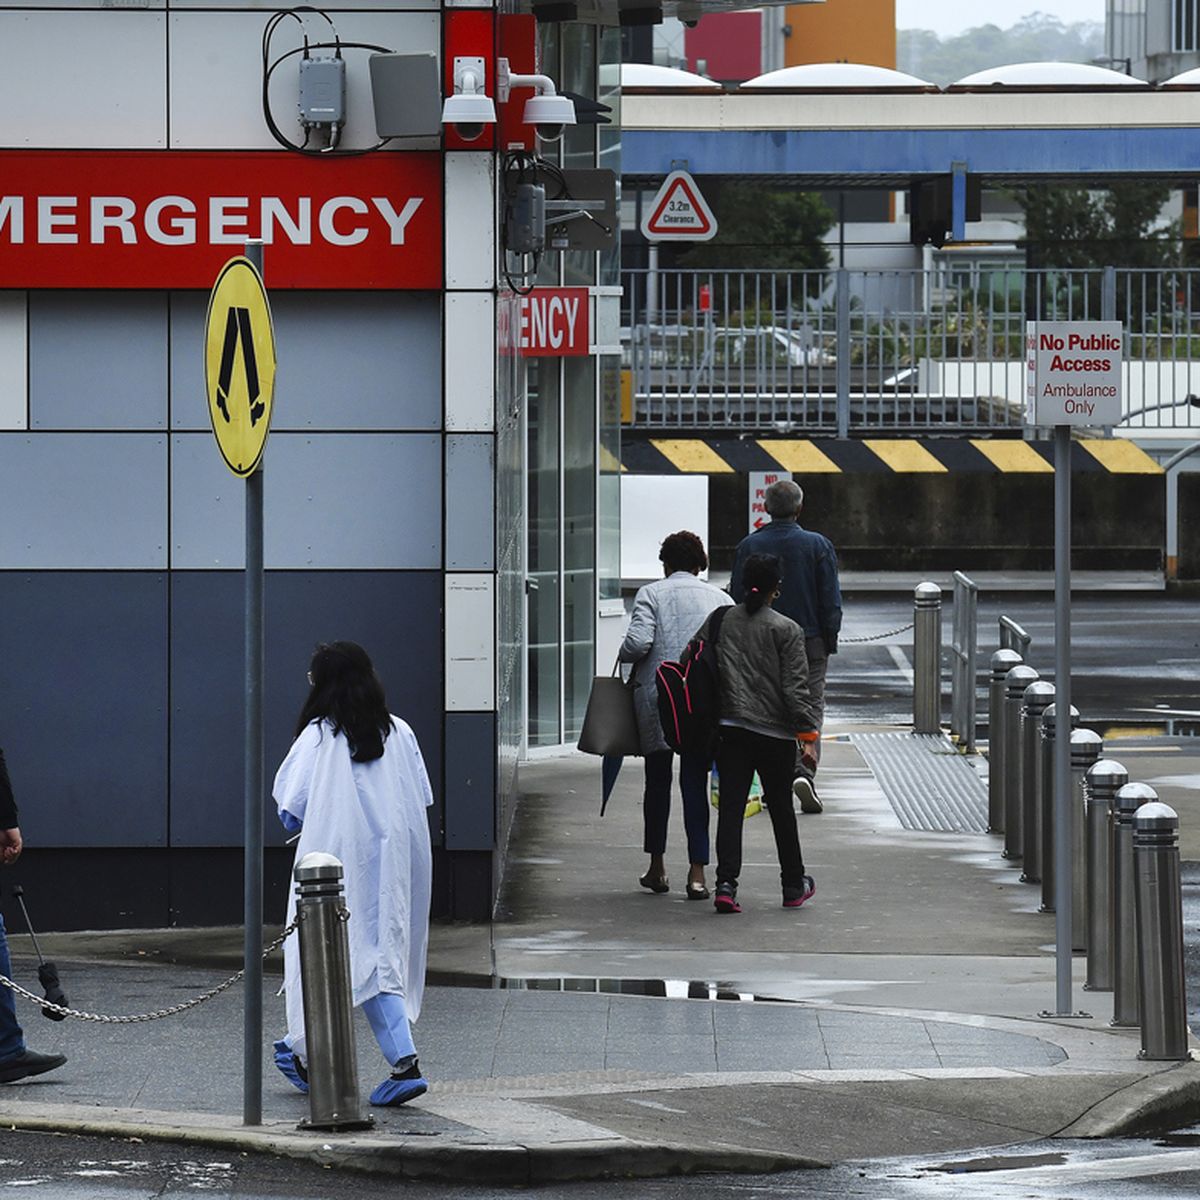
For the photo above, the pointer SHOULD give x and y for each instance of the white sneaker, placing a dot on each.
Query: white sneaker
(806, 793)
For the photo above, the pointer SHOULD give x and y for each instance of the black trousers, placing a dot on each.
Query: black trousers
(739, 754)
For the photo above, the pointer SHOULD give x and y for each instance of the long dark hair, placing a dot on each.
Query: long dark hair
(347, 692)
(761, 575)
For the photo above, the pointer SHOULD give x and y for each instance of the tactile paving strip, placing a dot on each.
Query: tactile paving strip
(930, 785)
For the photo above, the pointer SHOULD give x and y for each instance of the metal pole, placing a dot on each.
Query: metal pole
(842, 364)
(1125, 971)
(1086, 747)
(1002, 662)
(1015, 683)
(927, 658)
(1102, 783)
(252, 904)
(333, 1101)
(1038, 696)
(1062, 683)
(1162, 990)
(1048, 796)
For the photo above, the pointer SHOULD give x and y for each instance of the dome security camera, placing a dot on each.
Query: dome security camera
(470, 110)
(547, 111)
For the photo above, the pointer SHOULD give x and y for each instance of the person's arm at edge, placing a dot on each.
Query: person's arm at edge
(793, 671)
(639, 637)
(829, 593)
(10, 833)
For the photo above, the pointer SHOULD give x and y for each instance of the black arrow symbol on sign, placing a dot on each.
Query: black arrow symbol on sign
(237, 328)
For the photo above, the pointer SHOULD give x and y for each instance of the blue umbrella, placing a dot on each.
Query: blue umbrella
(610, 768)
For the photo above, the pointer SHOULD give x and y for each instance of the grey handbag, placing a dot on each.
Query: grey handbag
(609, 725)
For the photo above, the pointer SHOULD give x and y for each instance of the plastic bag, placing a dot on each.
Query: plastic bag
(753, 801)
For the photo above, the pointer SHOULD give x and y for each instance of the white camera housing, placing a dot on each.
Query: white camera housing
(470, 110)
(547, 111)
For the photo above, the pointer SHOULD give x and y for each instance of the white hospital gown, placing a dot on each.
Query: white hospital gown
(371, 816)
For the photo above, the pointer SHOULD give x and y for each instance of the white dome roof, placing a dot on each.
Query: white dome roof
(1049, 74)
(1186, 78)
(829, 76)
(643, 75)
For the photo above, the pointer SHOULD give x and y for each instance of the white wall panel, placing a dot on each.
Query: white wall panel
(470, 366)
(470, 219)
(470, 643)
(14, 361)
(83, 79)
(216, 74)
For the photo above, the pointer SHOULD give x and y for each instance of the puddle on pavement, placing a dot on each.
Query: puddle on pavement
(1178, 1141)
(1013, 1162)
(667, 989)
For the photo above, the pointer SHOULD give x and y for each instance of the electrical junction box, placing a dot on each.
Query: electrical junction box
(322, 91)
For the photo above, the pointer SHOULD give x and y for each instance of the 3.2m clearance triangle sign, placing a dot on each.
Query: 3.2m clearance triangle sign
(679, 213)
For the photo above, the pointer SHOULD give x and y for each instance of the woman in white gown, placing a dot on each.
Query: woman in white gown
(354, 785)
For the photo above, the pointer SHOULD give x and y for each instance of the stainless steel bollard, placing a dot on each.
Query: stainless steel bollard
(1038, 696)
(1003, 661)
(927, 658)
(1125, 971)
(1103, 780)
(1015, 683)
(1048, 799)
(1086, 747)
(333, 1101)
(1162, 989)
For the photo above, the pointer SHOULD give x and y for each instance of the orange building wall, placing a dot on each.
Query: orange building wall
(862, 31)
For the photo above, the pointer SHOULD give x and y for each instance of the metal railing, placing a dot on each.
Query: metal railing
(1013, 637)
(836, 351)
(963, 645)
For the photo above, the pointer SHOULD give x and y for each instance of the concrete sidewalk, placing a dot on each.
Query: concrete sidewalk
(596, 1029)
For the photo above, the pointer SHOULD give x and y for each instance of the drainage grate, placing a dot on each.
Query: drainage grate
(929, 784)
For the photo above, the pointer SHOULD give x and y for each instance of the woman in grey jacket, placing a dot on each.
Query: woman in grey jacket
(665, 615)
(765, 707)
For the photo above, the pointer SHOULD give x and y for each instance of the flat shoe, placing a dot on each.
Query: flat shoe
(27, 1063)
(656, 883)
(696, 891)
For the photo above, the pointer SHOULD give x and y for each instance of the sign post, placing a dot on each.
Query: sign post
(1073, 377)
(240, 383)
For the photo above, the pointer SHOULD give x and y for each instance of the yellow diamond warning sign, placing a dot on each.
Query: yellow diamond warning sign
(239, 365)
(679, 213)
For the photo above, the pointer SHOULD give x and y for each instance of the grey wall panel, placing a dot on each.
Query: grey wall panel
(98, 360)
(84, 79)
(208, 507)
(83, 501)
(83, 705)
(470, 501)
(346, 360)
(395, 615)
(227, 46)
(354, 501)
(470, 781)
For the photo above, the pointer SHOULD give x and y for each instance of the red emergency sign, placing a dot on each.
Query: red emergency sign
(169, 219)
(554, 322)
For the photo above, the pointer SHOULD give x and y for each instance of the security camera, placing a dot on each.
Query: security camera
(547, 111)
(470, 109)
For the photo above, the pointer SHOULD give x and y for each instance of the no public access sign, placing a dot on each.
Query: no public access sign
(1073, 372)
(679, 213)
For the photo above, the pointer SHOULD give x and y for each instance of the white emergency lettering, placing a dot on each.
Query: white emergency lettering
(325, 221)
(227, 226)
(182, 228)
(113, 212)
(49, 219)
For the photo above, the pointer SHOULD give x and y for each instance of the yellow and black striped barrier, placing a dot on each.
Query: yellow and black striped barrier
(900, 456)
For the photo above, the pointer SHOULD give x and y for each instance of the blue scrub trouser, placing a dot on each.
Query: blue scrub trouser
(12, 1040)
(389, 1024)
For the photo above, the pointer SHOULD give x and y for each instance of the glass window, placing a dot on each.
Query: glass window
(579, 537)
(608, 525)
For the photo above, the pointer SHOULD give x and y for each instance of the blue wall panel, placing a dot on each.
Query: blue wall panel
(98, 360)
(83, 501)
(470, 781)
(470, 501)
(396, 615)
(83, 705)
(347, 360)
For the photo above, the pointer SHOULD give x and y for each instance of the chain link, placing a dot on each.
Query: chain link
(158, 1014)
(878, 637)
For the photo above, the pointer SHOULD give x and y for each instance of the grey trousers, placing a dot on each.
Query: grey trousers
(818, 661)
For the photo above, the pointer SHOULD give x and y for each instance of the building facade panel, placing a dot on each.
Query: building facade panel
(470, 373)
(471, 220)
(98, 361)
(14, 360)
(85, 719)
(83, 501)
(470, 781)
(470, 496)
(67, 80)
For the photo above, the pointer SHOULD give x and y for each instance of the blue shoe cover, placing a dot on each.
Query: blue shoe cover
(393, 1092)
(290, 1066)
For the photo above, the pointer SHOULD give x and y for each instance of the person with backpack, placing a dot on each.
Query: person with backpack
(665, 614)
(765, 707)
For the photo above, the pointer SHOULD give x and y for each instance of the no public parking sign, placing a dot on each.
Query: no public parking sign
(1073, 372)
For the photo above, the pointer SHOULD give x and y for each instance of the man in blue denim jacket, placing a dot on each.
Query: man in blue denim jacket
(810, 595)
